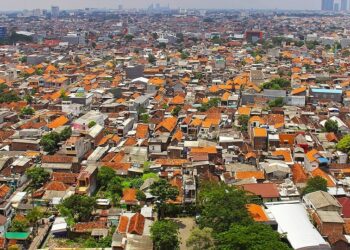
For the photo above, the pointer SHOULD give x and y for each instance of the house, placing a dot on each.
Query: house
(266, 191)
(314, 159)
(129, 197)
(259, 138)
(293, 221)
(322, 201)
(87, 180)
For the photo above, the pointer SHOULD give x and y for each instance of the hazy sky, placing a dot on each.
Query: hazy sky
(74, 4)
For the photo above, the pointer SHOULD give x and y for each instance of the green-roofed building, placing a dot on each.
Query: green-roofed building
(17, 235)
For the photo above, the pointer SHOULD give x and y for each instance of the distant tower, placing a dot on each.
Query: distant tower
(120, 7)
(55, 11)
(327, 5)
(336, 7)
(344, 5)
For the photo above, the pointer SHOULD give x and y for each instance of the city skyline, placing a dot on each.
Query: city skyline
(8, 5)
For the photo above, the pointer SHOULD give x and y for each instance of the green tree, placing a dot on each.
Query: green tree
(144, 118)
(184, 55)
(136, 183)
(344, 144)
(38, 176)
(104, 176)
(278, 102)
(65, 133)
(243, 122)
(331, 126)
(19, 226)
(165, 235)
(151, 59)
(28, 98)
(27, 111)
(276, 84)
(50, 142)
(79, 207)
(34, 215)
(314, 184)
(140, 196)
(115, 186)
(213, 102)
(176, 111)
(91, 124)
(221, 206)
(255, 236)
(163, 192)
(201, 239)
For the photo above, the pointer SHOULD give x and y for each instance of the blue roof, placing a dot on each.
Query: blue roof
(328, 91)
(322, 160)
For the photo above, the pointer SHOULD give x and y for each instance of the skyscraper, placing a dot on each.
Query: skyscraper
(344, 5)
(327, 5)
(55, 11)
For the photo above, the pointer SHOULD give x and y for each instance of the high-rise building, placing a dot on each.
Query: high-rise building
(327, 5)
(55, 11)
(336, 7)
(344, 5)
(3, 32)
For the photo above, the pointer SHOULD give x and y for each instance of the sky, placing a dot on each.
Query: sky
(6, 5)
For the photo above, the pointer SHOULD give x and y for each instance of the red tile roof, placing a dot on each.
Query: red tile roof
(137, 223)
(4, 191)
(56, 159)
(84, 227)
(123, 224)
(265, 190)
(345, 202)
(56, 186)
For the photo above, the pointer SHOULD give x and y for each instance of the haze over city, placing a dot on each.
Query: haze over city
(231, 4)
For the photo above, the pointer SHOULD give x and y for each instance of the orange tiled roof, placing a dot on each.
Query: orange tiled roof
(260, 132)
(171, 162)
(129, 195)
(4, 191)
(298, 90)
(244, 111)
(142, 131)
(169, 124)
(56, 186)
(60, 121)
(177, 100)
(259, 175)
(137, 223)
(123, 224)
(178, 135)
(257, 213)
(321, 173)
(299, 174)
(208, 150)
(285, 153)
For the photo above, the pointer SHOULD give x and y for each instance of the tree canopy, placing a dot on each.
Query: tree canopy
(104, 176)
(243, 122)
(221, 206)
(163, 192)
(252, 236)
(165, 235)
(38, 176)
(201, 239)
(277, 84)
(344, 144)
(78, 207)
(331, 126)
(314, 184)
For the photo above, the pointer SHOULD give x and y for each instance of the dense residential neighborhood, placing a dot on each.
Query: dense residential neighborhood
(174, 129)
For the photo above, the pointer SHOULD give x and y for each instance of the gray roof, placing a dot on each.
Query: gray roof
(321, 199)
(330, 216)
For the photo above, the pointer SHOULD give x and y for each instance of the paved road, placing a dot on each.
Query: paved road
(186, 225)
